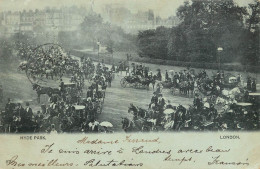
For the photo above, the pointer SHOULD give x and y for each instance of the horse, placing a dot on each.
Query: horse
(146, 82)
(141, 112)
(153, 80)
(184, 87)
(133, 125)
(191, 87)
(44, 90)
(127, 125)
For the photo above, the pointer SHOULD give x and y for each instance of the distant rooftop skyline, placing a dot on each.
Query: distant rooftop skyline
(162, 8)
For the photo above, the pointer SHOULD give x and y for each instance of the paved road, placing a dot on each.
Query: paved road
(118, 100)
(17, 87)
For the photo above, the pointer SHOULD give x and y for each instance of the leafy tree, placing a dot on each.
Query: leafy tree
(251, 39)
(210, 24)
(90, 28)
(153, 43)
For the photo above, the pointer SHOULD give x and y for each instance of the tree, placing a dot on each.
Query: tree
(209, 24)
(254, 16)
(90, 27)
(153, 43)
(251, 35)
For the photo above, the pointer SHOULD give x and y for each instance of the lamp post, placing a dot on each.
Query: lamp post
(220, 49)
(98, 43)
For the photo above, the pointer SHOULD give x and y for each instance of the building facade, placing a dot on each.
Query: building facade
(64, 19)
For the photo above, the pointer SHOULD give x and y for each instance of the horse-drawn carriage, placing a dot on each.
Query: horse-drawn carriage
(122, 66)
(135, 81)
(167, 84)
(230, 82)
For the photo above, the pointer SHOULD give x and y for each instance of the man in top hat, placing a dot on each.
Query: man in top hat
(161, 102)
(8, 106)
(166, 75)
(90, 93)
(159, 75)
(154, 99)
(28, 112)
(197, 102)
(20, 113)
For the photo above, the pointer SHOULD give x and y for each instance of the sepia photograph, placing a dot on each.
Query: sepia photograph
(129, 66)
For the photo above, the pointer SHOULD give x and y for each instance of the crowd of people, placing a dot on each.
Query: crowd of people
(71, 109)
(228, 109)
(49, 61)
(220, 103)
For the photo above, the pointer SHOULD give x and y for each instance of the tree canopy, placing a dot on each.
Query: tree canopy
(206, 26)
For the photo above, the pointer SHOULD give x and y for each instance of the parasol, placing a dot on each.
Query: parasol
(207, 123)
(21, 101)
(244, 104)
(254, 94)
(225, 92)
(106, 124)
(168, 111)
(79, 107)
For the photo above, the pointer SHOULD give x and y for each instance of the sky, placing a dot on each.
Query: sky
(163, 8)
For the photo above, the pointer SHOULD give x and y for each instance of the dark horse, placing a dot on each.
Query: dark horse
(127, 125)
(44, 90)
(132, 125)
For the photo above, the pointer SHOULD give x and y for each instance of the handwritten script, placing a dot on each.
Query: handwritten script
(91, 151)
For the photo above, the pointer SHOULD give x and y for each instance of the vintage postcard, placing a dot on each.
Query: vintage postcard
(129, 84)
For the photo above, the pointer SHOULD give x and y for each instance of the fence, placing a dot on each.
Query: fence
(202, 65)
